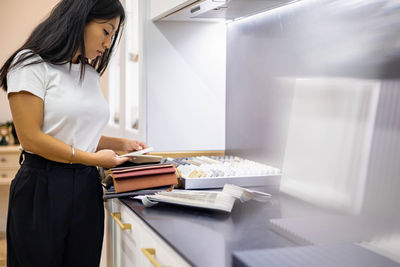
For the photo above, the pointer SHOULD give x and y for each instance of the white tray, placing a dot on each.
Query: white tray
(219, 182)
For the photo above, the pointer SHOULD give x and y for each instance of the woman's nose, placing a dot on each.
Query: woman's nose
(107, 42)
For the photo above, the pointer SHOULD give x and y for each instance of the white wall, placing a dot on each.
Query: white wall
(185, 70)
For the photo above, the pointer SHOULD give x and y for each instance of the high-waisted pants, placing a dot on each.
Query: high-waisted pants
(55, 215)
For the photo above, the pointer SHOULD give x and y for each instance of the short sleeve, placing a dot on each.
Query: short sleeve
(31, 78)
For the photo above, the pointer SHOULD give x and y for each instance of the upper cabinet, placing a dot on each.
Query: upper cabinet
(162, 8)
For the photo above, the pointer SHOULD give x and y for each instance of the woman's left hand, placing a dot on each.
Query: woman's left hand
(132, 145)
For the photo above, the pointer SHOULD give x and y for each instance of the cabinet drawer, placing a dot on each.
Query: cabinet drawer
(9, 160)
(8, 173)
(152, 246)
(134, 243)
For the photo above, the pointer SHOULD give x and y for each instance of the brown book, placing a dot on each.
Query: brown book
(136, 178)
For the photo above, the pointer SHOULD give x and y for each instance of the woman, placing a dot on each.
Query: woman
(56, 214)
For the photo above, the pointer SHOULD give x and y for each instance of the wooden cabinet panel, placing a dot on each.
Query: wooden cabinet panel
(9, 157)
(8, 172)
(9, 163)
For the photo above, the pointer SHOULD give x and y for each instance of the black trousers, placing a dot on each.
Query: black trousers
(55, 215)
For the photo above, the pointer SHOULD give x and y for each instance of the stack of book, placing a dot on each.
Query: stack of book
(133, 178)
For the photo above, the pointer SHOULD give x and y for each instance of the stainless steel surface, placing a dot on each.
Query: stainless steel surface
(382, 196)
(318, 39)
(267, 53)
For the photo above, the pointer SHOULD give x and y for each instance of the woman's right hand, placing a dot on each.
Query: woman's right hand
(107, 158)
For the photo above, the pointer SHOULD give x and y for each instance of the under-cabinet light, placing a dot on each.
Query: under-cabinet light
(290, 6)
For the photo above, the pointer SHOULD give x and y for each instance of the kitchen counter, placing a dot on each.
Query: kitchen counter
(208, 238)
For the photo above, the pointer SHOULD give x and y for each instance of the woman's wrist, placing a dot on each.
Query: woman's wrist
(86, 158)
(93, 159)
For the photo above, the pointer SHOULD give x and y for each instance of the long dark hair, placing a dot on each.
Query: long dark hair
(57, 39)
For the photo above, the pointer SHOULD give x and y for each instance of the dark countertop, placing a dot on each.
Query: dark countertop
(208, 238)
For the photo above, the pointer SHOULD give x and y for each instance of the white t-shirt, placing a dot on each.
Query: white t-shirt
(75, 111)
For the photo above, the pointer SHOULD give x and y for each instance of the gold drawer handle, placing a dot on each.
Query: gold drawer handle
(149, 253)
(3, 159)
(117, 217)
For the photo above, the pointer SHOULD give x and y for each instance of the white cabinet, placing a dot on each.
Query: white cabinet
(9, 157)
(133, 243)
(162, 8)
